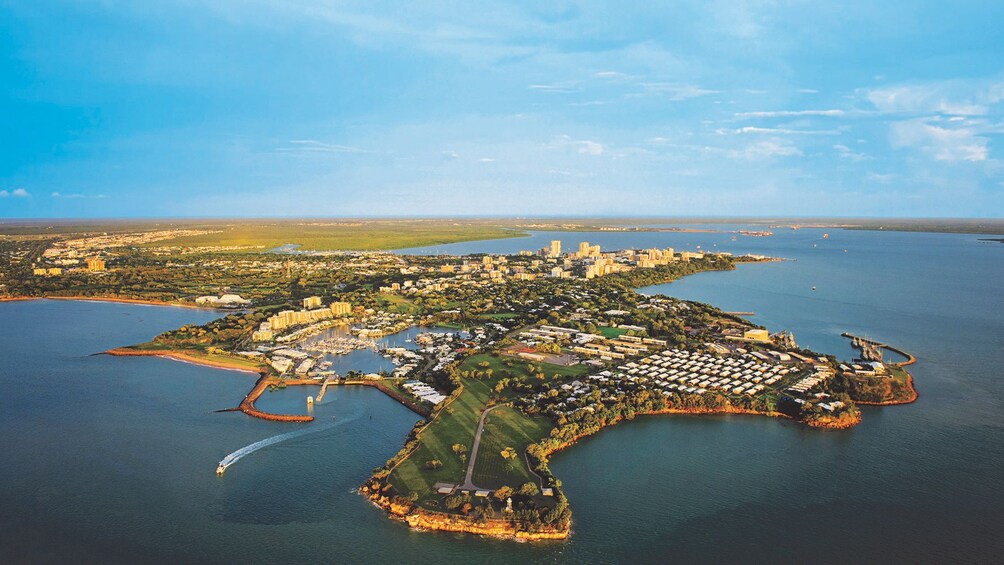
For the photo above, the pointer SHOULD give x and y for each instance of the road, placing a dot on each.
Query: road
(468, 485)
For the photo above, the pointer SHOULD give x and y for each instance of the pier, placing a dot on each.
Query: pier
(247, 405)
(324, 387)
(870, 346)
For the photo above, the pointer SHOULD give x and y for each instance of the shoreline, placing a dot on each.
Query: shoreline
(182, 356)
(914, 395)
(247, 404)
(137, 301)
(421, 519)
(111, 299)
(18, 298)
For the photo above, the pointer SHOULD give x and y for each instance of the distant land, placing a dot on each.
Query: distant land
(370, 234)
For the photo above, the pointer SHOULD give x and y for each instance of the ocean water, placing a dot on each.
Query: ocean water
(112, 459)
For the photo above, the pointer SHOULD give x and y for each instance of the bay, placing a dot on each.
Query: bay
(111, 459)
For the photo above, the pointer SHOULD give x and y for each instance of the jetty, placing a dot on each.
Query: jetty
(871, 350)
(324, 387)
(247, 405)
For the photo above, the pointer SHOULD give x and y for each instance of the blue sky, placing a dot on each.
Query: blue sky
(311, 108)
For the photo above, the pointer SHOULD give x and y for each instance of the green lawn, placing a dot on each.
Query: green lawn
(457, 424)
(611, 333)
(397, 303)
(500, 316)
(507, 427)
(520, 367)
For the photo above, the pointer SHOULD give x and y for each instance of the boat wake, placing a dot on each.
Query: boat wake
(243, 452)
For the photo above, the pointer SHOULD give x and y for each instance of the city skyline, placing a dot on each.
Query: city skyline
(320, 109)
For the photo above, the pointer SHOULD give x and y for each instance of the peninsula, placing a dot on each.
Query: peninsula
(517, 355)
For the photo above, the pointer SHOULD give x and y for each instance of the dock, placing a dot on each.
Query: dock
(871, 347)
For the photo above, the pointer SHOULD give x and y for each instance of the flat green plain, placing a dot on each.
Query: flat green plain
(363, 235)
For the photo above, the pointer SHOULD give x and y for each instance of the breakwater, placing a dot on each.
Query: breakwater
(910, 359)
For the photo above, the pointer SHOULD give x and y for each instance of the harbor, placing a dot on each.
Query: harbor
(871, 350)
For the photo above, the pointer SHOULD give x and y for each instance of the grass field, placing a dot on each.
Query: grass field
(499, 316)
(361, 235)
(505, 427)
(397, 303)
(520, 367)
(611, 333)
(457, 424)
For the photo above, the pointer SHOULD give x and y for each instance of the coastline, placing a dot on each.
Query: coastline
(247, 404)
(183, 357)
(18, 298)
(139, 301)
(112, 299)
(421, 519)
(909, 400)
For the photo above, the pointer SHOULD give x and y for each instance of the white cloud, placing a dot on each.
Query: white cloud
(676, 92)
(808, 91)
(451, 155)
(882, 178)
(486, 160)
(75, 196)
(565, 87)
(583, 146)
(949, 97)
(312, 145)
(16, 193)
(845, 152)
(767, 149)
(590, 147)
(785, 131)
(942, 144)
(608, 74)
(790, 113)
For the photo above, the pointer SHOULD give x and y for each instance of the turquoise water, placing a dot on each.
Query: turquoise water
(112, 459)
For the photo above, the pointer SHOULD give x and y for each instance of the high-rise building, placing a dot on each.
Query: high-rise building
(95, 264)
(312, 302)
(555, 250)
(340, 308)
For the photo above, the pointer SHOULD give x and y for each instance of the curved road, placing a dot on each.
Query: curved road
(468, 485)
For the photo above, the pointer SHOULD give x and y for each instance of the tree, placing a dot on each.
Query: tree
(529, 489)
(461, 451)
(503, 492)
(454, 501)
(433, 464)
(508, 453)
